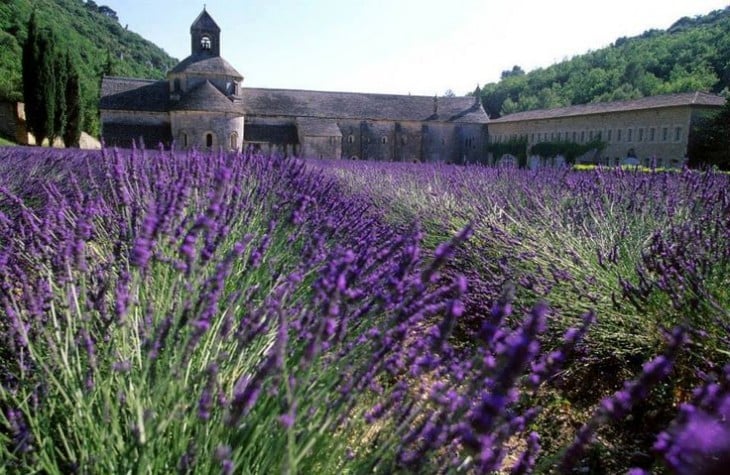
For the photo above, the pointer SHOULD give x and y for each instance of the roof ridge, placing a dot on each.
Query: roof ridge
(651, 102)
(382, 94)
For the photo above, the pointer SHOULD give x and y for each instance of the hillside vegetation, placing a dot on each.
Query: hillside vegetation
(93, 36)
(691, 55)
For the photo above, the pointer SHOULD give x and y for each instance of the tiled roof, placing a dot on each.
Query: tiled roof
(359, 106)
(144, 95)
(652, 102)
(318, 128)
(205, 22)
(278, 134)
(205, 97)
(204, 63)
(134, 94)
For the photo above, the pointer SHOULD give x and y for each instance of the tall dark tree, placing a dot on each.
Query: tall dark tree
(33, 94)
(60, 76)
(72, 131)
(709, 142)
(45, 122)
(39, 82)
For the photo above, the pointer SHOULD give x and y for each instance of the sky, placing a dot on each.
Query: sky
(419, 47)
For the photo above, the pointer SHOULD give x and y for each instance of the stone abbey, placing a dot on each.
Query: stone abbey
(202, 103)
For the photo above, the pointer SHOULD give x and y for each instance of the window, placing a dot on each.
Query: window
(234, 141)
(629, 135)
(641, 135)
(384, 140)
(205, 42)
(575, 135)
(403, 140)
(609, 135)
(678, 134)
(532, 137)
(184, 139)
(177, 85)
(582, 136)
(208, 140)
(443, 141)
(600, 135)
(350, 139)
(590, 135)
(652, 133)
(618, 135)
(665, 134)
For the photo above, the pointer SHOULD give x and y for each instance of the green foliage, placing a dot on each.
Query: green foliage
(692, 55)
(515, 146)
(569, 150)
(91, 33)
(72, 131)
(709, 141)
(39, 84)
(52, 90)
(60, 77)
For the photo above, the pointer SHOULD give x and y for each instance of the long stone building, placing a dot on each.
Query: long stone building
(638, 131)
(203, 104)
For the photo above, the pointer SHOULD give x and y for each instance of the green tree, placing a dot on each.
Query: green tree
(72, 89)
(709, 142)
(33, 94)
(61, 77)
(45, 122)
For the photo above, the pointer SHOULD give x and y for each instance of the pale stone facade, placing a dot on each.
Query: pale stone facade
(652, 129)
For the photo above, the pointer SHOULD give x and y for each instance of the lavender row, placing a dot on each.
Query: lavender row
(221, 312)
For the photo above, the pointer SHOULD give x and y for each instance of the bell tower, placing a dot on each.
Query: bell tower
(205, 36)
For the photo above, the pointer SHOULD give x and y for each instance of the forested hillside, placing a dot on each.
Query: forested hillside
(691, 55)
(92, 34)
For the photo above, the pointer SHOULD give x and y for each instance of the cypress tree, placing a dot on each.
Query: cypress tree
(61, 77)
(32, 92)
(72, 131)
(44, 124)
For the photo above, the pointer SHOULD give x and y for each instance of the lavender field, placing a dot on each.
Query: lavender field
(228, 313)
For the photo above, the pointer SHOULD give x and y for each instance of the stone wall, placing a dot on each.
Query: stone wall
(320, 147)
(12, 122)
(660, 133)
(191, 129)
(411, 141)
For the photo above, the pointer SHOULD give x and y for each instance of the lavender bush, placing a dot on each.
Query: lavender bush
(227, 313)
(647, 251)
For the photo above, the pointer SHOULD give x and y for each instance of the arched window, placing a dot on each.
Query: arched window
(205, 42)
(234, 141)
(384, 140)
(208, 140)
(351, 139)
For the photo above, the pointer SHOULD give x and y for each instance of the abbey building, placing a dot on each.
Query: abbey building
(203, 104)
